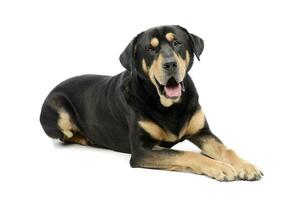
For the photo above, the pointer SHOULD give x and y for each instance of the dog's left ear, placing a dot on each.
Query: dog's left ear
(196, 42)
(128, 55)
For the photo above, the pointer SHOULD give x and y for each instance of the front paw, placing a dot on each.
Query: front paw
(221, 171)
(246, 170)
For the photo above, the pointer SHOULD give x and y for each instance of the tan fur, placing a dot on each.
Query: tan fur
(170, 36)
(154, 42)
(77, 139)
(65, 124)
(168, 102)
(219, 151)
(157, 132)
(213, 149)
(187, 58)
(68, 128)
(155, 69)
(157, 147)
(145, 69)
(183, 63)
(196, 123)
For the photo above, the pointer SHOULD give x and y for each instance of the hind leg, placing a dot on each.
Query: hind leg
(48, 119)
(69, 129)
(58, 123)
(78, 139)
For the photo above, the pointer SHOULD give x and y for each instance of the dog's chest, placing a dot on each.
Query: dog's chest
(191, 126)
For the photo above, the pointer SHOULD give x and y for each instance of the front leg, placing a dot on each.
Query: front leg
(214, 148)
(145, 154)
(174, 160)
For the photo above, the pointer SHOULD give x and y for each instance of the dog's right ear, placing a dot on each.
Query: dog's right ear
(127, 57)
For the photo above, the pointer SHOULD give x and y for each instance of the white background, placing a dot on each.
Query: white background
(248, 83)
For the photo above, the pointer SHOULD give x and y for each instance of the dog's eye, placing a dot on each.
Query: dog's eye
(176, 43)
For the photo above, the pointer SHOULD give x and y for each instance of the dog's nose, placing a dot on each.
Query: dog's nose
(170, 66)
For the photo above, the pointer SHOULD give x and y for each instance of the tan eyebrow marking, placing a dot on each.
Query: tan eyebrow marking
(154, 42)
(170, 36)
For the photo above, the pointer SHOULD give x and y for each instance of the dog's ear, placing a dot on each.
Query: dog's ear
(128, 55)
(198, 45)
(196, 42)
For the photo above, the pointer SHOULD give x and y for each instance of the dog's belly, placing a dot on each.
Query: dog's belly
(108, 128)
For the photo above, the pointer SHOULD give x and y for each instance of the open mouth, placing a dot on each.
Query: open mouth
(172, 89)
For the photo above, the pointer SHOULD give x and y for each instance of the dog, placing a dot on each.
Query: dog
(146, 109)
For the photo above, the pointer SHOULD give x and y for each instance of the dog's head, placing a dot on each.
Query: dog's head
(163, 55)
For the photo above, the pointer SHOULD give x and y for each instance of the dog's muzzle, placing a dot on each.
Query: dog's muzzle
(172, 88)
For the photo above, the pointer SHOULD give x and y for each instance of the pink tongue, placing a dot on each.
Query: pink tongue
(173, 91)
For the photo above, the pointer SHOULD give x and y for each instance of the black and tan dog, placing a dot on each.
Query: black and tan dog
(145, 110)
